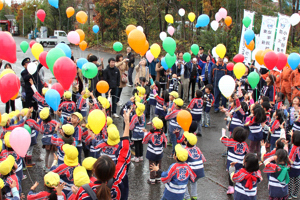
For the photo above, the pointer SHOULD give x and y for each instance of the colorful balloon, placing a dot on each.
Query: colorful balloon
(246, 21)
(140, 28)
(184, 119)
(137, 40)
(162, 36)
(53, 3)
(144, 48)
(170, 60)
(203, 20)
(89, 70)
(294, 19)
(7, 71)
(155, 50)
(42, 59)
(249, 36)
(10, 86)
(31, 43)
(59, 88)
(36, 50)
(187, 57)
(102, 87)
(221, 50)
(282, 61)
(81, 17)
(181, 12)
(31, 68)
(52, 98)
(1, 5)
(96, 29)
(73, 37)
(218, 17)
(130, 28)
(81, 34)
(81, 62)
(195, 49)
(169, 18)
(228, 20)
(164, 64)
(27, 128)
(259, 57)
(192, 16)
(41, 14)
(83, 45)
(239, 70)
(169, 45)
(20, 141)
(149, 56)
(253, 79)
(294, 60)
(52, 56)
(223, 13)
(24, 46)
(118, 46)
(270, 60)
(66, 49)
(8, 48)
(238, 58)
(65, 71)
(171, 30)
(70, 12)
(214, 25)
(230, 66)
(96, 120)
(226, 86)
(250, 46)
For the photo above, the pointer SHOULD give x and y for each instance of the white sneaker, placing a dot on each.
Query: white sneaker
(141, 158)
(129, 85)
(135, 159)
(115, 115)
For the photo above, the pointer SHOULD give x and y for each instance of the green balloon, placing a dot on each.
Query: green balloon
(118, 46)
(187, 57)
(195, 49)
(170, 60)
(24, 46)
(27, 128)
(89, 70)
(247, 21)
(169, 45)
(253, 79)
(52, 56)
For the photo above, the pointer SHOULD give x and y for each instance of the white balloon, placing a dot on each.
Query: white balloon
(214, 53)
(181, 12)
(163, 36)
(140, 28)
(294, 19)
(31, 68)
(214, 25)
(226, 85)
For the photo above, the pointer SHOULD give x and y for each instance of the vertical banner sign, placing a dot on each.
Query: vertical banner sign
(282, 34)
(267, 33)
(243, 49)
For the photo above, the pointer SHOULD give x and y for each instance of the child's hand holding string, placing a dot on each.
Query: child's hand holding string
(59, 188)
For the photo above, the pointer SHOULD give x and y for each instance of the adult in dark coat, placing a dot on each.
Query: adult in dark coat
(131, 59)
(29, 101)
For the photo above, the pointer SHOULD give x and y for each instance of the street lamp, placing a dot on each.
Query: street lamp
(35, 15)
(23, 19)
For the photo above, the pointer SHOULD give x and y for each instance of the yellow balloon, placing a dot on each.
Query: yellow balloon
(6, 71)
(221, 50)
(169, 18)
(192, 16)
(8, 33)
(239, 70)
(81, 17)
(96, 120)
(70, 12)
(1, 5)
(155, 50)
(36, 50)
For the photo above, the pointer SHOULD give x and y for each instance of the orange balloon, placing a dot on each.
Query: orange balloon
(1, 5)
(70, 12)
(81, 17)
(102, 87)
(81, 34)
(228, 20)
(250, 46)
(259, 57)
(83, 45)
(14, 97)
(287, 63)
(145, 48)
(129, 28)
(184, 119)
(265, 52)
(137, 40)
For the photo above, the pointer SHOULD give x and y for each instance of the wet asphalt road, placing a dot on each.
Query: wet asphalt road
(212, 187)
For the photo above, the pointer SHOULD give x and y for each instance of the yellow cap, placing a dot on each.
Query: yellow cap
(109, 120)
(51, 179)
(67, 95)
(141, 91)
(190, 137)
(86, 94)
(80, 176)
(68, 129)
(79, 115)
(174, 94)
(44, 114)
(104, 102)
(4, 119)
(12, 114)
(1, 144)
(24, 111)
(6, 139)
(157, 123)
(88, 163)
(112, 125)
(178, 102)
(7, 165)
(44, 90)
(181, 153)
(71, 155)
(1, 183)
(113, 136)
(140, 108)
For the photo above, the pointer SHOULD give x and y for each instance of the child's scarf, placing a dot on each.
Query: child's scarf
(284, 174)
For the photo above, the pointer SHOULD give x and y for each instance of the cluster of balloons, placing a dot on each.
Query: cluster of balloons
(270, 59)
(221, 14)
(137, 39)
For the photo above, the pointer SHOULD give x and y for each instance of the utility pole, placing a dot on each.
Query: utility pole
(23, 19)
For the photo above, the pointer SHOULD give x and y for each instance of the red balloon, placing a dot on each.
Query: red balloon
(41, 14)
(270, 60)
(8, 48)
(65, 71)
(230, 66)
(59, 88)
(42, 59)
(282, 60)
(10, 84)
(32, 42)
(238, 58)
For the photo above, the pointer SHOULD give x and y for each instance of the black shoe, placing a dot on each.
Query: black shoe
(199, 134)
(217, 110)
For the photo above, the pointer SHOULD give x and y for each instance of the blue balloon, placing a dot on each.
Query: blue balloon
(52, 98)
(249, 36)
(81, 62)
(203, 20)
(53, 3)
(294, 60)
(164, 64)
(96, 28)
(65, 49)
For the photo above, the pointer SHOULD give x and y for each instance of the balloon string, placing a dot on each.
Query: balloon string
(28, 172)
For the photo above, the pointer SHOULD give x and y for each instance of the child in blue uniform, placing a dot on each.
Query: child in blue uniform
(208, 100)
(67, 106)
(295, 167)
(81, 104)
(275, 128)
(195, 107)
(177, 176)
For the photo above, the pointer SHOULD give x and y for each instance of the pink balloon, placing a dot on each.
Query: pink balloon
(282, 60)
(10, 85)
(59, 88)
(20, 141)
(32, 42)
(65, 71)
(171, 30)
(42, 59)
(218, 17)
(73, 37)
(41, 14)
(149, 56)
(223, 13)
(8, 48)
